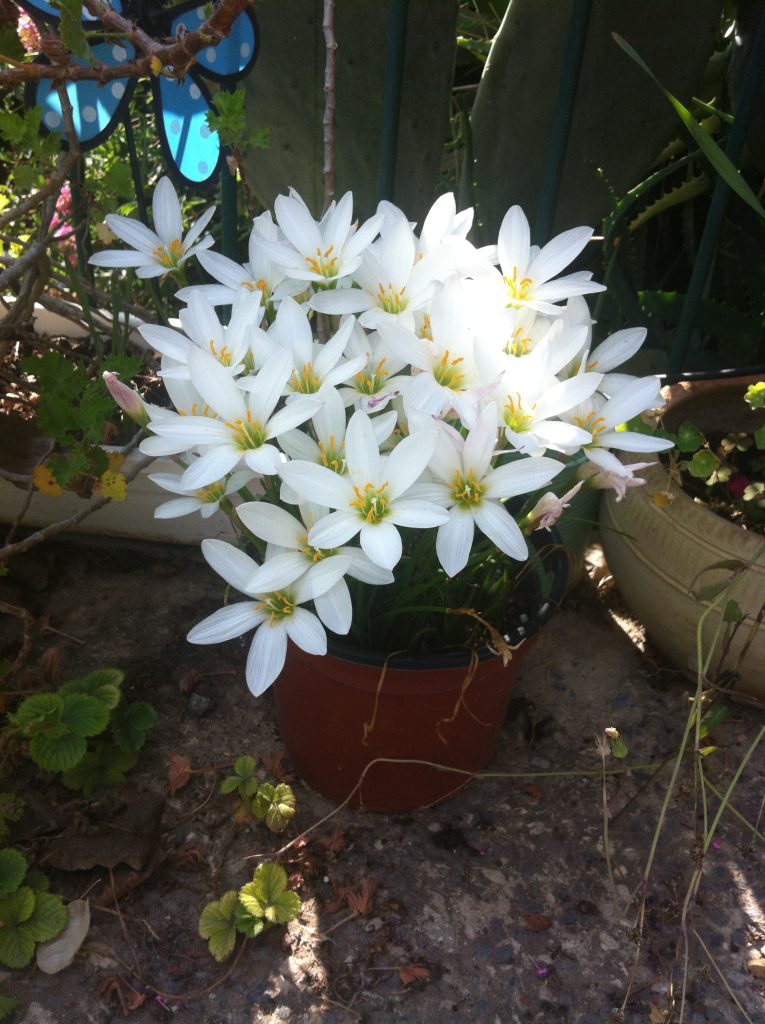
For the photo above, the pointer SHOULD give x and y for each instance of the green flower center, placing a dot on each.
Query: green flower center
(467, 490)
(447, 372)
(304, 381)
(169, 255)
(369, 382)
(248, 434)
(592, 423)
(515, 417)
(332, 456)
(517, 291)
(392, 300)
(372, 502)
(279, 606)
(215, 492)
(323, 263)
(315, 554)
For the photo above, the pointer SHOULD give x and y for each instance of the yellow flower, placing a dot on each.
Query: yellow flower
(46, 482)
(112, 485)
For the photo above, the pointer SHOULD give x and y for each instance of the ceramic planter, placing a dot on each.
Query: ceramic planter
(656, 551)
(338, 713)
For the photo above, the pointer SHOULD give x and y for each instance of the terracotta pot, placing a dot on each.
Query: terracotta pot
(656, 551)
(338, 713)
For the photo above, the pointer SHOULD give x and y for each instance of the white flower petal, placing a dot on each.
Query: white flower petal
(454, 541)
(233, 565)
(334, 608)
(382, 543)
(499, 526)
(305, 630)
(226, 623)
(266, 656)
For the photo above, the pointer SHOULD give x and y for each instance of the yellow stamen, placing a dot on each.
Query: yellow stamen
(517, 291)
(372, 503)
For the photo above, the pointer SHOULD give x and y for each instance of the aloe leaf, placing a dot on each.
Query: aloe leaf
(706, 143)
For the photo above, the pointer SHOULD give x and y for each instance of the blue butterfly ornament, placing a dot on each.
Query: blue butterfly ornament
(191, 150)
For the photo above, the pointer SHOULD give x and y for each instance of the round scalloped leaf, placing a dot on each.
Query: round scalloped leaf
(38, 712)
(57, 753)
(85, 715)
(49, 917)
(104, 684)
(13, 868)
(16, 908)
(245, 766)
(216, 924)
(130, 723)
(246, 923)
(17, 947)
(267, 895)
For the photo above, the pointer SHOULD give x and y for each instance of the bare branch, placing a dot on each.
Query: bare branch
(328, 122)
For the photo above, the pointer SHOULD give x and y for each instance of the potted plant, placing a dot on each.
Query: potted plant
(698, 524)
(387, 417)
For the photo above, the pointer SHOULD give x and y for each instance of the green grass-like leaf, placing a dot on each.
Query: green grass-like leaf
(7, 1006)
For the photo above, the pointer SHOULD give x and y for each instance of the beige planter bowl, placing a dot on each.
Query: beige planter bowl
(656, 551)
(132, 518)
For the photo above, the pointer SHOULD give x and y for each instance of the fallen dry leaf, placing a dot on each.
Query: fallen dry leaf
(334, 843)
(189, 680)
(656, 1016)
(537, 922)
(415, 972)
(361, 899)
(178, 774)
(275, 765)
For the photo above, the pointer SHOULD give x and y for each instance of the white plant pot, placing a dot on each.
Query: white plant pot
(657, 552)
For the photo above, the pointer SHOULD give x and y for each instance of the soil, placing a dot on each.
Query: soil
(494, 907)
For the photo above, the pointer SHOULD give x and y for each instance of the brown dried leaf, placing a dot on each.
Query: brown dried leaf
(361, 899)
(334, 843)
(537, 922)
(178, 773)
(275, 765)
(531, 791)
(656, 1016)
(188, 858)
(415, 972)
(50, 663)
(189, 680)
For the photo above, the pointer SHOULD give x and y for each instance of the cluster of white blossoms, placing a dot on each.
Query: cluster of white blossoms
(370, 379)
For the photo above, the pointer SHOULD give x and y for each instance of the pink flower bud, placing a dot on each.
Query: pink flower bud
(126, 398)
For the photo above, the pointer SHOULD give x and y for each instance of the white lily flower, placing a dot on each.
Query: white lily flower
(290, 555)
(548, 510)
(320, 252)
(229, 345)
(205, 500)
(379, 380)
(602, 418)
(242, 424)
(392, 283)
(157, 252)
(275, 617)
(370, 499)
(474, 492)
(528, 273)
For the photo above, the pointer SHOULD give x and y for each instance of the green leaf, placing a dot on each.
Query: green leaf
(705, 142)
(104, 684)
(11, 127)
(84, 715)
(11, 806)
(759, 438)
(13, 868)
(17, 908)
(17, 947)
(246, 923)
(24, 176)
(7, 1005)
(10, 44)
(703, 464)
(689, 439)
(714, 718)
(267, 895)
(130, 723)
(38, 713)
(71, 30)
(276, 805)
(230, 785)
(245, 766)
(732, 612)
(57, 753)
(49, 917)
(216, 924)
(103, 765)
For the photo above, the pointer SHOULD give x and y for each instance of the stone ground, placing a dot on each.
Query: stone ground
(495, 907)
